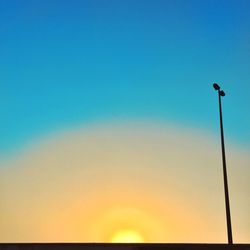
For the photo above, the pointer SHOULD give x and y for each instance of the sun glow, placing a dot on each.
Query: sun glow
(127, 236)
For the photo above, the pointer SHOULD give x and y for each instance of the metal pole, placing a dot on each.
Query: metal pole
(228, 216)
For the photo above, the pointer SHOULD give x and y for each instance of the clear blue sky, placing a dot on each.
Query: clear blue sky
(69, 63)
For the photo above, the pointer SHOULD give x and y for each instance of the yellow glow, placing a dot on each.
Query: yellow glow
(127, 236)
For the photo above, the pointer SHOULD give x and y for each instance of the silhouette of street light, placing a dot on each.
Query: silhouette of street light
(229, 227)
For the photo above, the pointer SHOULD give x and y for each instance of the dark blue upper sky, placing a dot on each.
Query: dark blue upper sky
(68, 63)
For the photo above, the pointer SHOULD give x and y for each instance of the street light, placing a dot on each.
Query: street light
(229, 226)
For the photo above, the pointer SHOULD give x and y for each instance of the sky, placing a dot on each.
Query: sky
(120, 94)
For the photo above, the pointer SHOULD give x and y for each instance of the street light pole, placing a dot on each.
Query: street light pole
(229, 226)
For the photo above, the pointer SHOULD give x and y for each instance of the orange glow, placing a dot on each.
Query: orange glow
(92, 193)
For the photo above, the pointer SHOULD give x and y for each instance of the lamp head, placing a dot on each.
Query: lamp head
(222, 93)
(216, 86)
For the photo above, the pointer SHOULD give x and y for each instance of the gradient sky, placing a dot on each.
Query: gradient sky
(68, 65)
